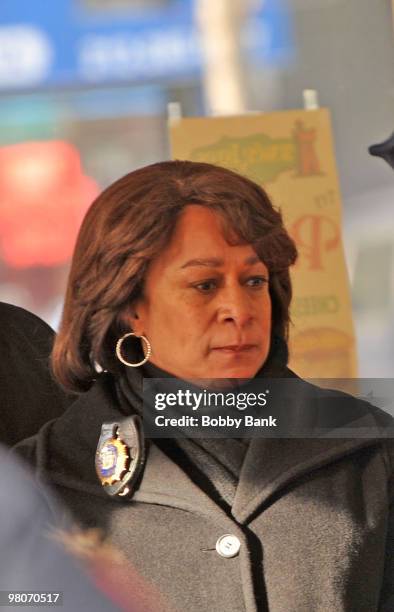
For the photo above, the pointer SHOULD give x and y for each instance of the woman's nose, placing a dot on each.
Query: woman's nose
(235, 306)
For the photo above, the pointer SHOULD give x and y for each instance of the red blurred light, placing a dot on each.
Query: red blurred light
(43, 198)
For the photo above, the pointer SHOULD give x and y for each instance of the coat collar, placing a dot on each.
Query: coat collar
(273, 463)
(66, 450)
(336, 425)
(67, 446)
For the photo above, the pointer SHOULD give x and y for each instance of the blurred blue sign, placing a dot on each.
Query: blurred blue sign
(63, 42)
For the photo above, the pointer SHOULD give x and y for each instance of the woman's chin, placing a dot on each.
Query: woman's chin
(244, 368)
(234, 373)
(221, 378)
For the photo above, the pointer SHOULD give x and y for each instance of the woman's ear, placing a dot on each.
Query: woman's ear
(136, 324)
(136, 319)
(131, 321)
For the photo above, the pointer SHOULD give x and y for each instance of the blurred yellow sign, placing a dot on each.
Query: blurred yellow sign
(291, 155)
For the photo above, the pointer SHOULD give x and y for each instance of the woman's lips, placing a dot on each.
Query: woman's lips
(234, 349)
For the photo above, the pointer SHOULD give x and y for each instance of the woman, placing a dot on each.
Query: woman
(193, 260)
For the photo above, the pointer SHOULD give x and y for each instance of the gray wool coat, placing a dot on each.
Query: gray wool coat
(315, 517)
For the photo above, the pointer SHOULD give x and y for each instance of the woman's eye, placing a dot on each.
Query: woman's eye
(206, 286)
(257, 281)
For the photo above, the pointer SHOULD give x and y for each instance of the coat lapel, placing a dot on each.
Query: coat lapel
(67, 447)
(335, 426)
(164, 482)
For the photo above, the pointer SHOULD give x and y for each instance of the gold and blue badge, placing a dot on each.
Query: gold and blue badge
(120, 456)
(112, 460)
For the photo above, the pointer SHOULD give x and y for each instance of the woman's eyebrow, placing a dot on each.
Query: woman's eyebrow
(215, 262)
(212, 262)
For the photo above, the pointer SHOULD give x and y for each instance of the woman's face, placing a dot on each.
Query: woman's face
(206, 308)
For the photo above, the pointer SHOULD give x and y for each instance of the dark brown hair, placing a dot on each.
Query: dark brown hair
(127, 227)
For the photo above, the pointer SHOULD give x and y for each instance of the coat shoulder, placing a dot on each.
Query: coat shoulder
(27, 450)
(66, 444)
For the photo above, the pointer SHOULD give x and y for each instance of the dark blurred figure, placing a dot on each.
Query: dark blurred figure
(32, 559)
(43, 552)
(29, 397)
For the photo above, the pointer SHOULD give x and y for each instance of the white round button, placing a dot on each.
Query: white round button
(228, 545)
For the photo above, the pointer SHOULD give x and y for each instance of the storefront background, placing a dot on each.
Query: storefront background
(84, 89)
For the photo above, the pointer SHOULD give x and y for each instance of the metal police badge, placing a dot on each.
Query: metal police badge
(120, 456)
(112, 461)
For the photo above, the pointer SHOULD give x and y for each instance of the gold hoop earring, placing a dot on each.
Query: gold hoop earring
(147, 352)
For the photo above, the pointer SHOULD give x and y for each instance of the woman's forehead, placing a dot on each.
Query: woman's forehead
(207, 222)
(202, 231)
(200, 242)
